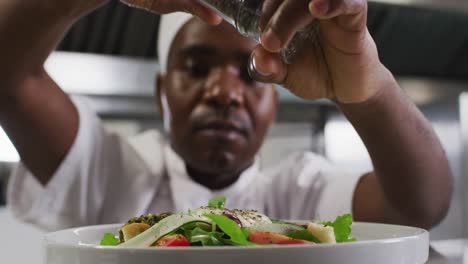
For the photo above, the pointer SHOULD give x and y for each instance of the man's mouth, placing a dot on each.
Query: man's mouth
(221, 127)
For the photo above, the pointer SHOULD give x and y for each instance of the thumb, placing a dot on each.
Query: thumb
(267, 67)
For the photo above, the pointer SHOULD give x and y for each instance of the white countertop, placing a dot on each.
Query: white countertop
(449, 252)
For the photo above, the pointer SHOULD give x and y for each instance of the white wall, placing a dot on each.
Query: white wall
(344, 147)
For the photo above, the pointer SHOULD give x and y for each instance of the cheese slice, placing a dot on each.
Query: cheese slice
(325, 234)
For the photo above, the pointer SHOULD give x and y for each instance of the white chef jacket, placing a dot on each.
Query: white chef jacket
(108, 179)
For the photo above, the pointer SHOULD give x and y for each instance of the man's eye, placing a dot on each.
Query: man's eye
(197, 69)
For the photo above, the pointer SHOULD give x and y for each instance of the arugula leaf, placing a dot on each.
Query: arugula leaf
(304, 235)
(187, 229)
(342, 228)
(217, 202)
(200, 236)
(109, 240)
(230, 228)
(246, 232)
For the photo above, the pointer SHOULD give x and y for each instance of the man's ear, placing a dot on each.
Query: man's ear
(159, 92)
(161, 101)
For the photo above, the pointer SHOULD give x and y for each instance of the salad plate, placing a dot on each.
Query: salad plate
(213, 235)
(376, 243)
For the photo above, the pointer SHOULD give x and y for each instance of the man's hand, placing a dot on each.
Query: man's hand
(168, 6)
(340, 63)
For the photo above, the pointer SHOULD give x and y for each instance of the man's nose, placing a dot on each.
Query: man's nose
(224, 87)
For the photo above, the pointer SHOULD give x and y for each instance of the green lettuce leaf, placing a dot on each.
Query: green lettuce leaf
(201, 237)
(217, 202)
(304, 235)
(186, 229)
(109, 239)
(236, 235)
(342, 228)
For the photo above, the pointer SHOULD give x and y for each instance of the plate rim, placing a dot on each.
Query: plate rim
(50, 242)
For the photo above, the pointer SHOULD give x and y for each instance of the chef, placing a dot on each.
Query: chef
(73, 172)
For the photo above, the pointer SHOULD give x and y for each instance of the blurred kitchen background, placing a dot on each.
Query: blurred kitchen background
(110, 58)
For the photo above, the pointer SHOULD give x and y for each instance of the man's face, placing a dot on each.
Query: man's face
(218, 115)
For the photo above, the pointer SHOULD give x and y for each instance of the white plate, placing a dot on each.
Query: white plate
(377, 244)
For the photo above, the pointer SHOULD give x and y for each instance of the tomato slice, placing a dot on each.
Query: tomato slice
(173, 241)
(264, 238)
(293, 241)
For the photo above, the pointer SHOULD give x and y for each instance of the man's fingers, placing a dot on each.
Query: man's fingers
(267, 67)
(290, 17)
(350, 14)
(168, 6)
(268, 10)
(145, 4)
(202, 12)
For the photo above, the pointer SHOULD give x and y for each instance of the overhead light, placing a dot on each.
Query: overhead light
(8, 152)
(105, 75)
